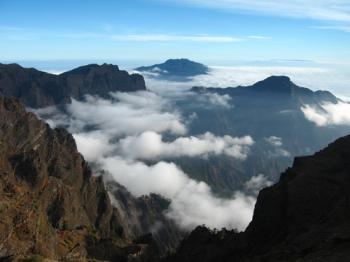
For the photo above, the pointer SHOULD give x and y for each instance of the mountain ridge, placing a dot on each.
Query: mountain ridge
(40, 89)
(272, 85)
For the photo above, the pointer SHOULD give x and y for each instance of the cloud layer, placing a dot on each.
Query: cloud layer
(150, 145)
(313, 75)
(192, 202)
(130, 113)
(328, 114)
(117, 134)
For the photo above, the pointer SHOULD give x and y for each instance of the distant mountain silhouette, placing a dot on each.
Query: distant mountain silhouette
(268, 108)
(275, 86)
(304, 217)
(39, 89)
(176, 68)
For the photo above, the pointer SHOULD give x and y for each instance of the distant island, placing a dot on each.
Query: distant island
(177, 68)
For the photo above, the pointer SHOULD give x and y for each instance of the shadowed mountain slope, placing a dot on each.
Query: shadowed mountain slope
(304, 217)
(176, 68)
(39, 89)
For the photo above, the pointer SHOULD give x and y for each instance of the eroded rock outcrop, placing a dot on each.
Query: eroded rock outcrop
(50, 204)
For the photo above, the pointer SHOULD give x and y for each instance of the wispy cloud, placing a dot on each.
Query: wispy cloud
(261, 37)
(328, 114)
(180, 38)
(334, 27)
(107, 34)
(332, 10)
(151, 145)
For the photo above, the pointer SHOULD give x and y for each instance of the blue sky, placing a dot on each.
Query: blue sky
(204, 30)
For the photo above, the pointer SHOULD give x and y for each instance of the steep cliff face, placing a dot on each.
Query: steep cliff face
(39, 89)
(50, 204)
(308, 212)
(304, 217)
(146, 214)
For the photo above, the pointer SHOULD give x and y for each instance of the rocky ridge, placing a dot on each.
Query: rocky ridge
(50, 203)
(303, 217)
(38, 89)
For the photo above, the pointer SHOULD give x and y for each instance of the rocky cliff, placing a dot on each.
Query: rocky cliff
(304, 217)
(39, 89)
(51, 205)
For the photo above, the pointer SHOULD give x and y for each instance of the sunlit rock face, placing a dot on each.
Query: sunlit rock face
(51, 205)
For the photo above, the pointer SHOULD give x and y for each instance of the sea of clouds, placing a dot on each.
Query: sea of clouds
(130, 136)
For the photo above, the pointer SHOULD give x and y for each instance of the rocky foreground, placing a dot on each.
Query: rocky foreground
(304, 217)
(51, 205)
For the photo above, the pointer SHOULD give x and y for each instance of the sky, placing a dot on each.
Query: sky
(152, 30)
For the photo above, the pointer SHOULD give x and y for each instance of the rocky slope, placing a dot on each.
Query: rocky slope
(143, 215)
(304, 217)
(50, 204)
(39, 89)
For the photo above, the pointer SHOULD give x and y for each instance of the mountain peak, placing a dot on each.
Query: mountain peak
(181, 67)
(179, 60)
(275, 84)
(39, 89)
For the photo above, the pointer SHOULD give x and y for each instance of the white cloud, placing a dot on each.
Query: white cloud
(133, 113)
(214, 99)
(150, 145)
(256, 183)
(328, 114)
(192, 202)
(274, 140)
(315, 76)
(182, 91)
(332, 10)
(176, 38)
(312, 115)
(344, 28)
(278, 151)
(113, 132)
(93, 145)
(262, 37)
(52, 116)
(220, 76)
